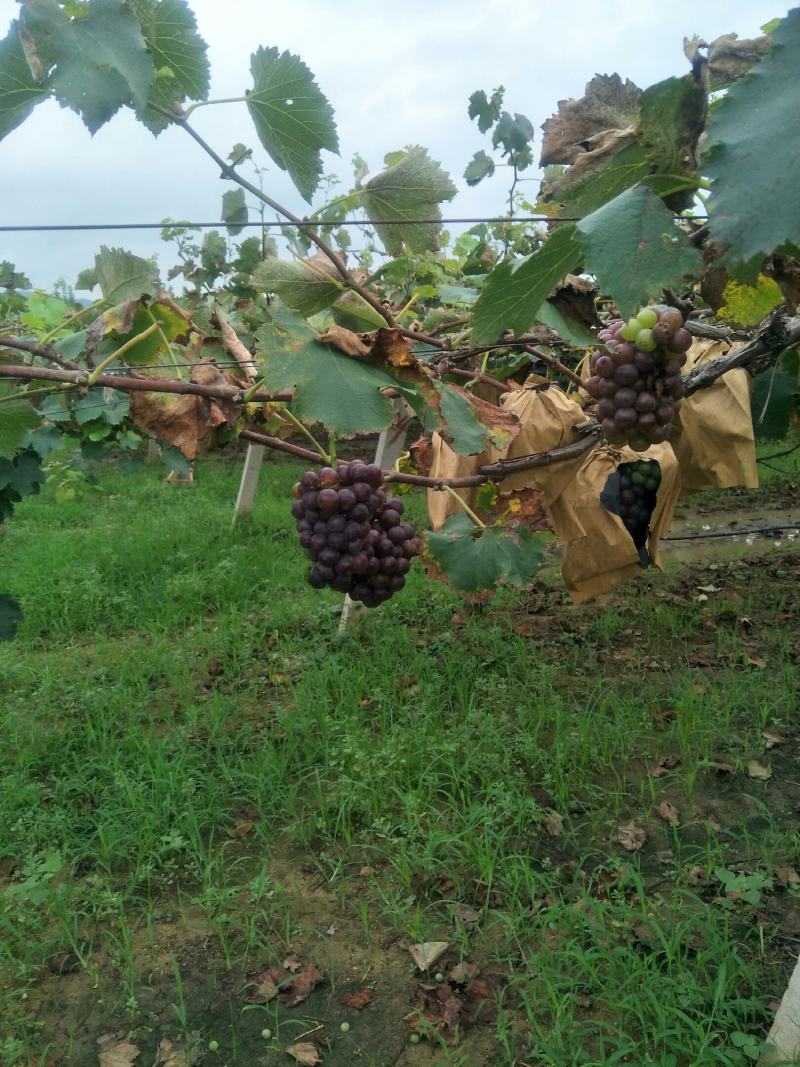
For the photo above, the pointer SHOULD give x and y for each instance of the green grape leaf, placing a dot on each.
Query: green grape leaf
(87, 279)
(179, 57)
(125, 321)
(672, 117)
(514, 293)
(774, 401)
(300, 287)
(513, 133)
(458, 294)
(19, 91)
(624, 169)
(123, 276)
(44, 312)
(22, 476)
(409, 190)
(476, 559)
(11, 278)
(101, 62)
(251, 252)
(752, 148)
(71, 345)
(352, 311)
(339, 392)
(634, 248)
(462, 428)
(234, 210)
(485, 109)
(568, 329)
(479, 167)
(293, 119)
(17, 417)
(10, 617)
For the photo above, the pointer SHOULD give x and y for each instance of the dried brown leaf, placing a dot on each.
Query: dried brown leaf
(608, 106)
(170, 1055)
(463, 972)
(787, 877)
(306, 1053)
(115, 1052)
(630, 836)
(552, 822)
(359, 1000)
(389, 345)
(346, 341)
(428, 953)
(772, 739)
(760, 771)
(668, 812)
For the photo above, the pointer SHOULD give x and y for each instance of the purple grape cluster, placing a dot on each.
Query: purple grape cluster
(353, 533)
(636, 376)
(638, 493)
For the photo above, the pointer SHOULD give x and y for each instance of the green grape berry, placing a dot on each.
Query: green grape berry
(439, 977)
(213, 1046)
(630, 330)
(645, 341)
(266, 1033)
(414, 1039)
(648, 318)
(344, 1027)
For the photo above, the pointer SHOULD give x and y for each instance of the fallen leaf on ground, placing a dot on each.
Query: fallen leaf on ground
(665, 763)
(787, 877)
(279, 981)
(760, 771)
(305, 1053)
(170, 1055)
(428, 953)
(112, 1052)
(772, 739)
(668, 812)
(757, 661)
(664, 716)
(463, 971)
(359, 1000)
(292, 964)
(441, 1008)
(553, 822)
(719, 767)
(465, 918)
(631, 837)
(242, 829)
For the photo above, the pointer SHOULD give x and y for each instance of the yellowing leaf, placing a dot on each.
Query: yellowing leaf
(747, 305)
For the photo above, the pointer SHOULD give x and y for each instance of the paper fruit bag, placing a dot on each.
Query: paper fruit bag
(714, 439)
(599, 552)
(446, 463)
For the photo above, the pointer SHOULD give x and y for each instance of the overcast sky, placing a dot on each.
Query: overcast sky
(396, 74)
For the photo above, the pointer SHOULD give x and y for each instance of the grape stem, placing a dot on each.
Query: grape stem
(329, 459)
(465, 506)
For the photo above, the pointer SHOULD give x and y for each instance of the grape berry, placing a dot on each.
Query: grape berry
(638, 486)
(636, 376)
(353, 534)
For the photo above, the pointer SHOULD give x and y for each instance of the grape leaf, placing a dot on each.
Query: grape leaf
(485, 109)
(514, 293)
(410, 189)
(479, 167)
(773, 403)
(126, 321)
(634, 248)
(747, 305)
(22, 476)
(625, 167)
(234, 210)
(10, 617)
(19, 92)
(462, 429)
(608, 104)
(339, 392)
(478, 559)
(513, 132)
(123, 276)
(87, 279)
(301, 288)
(179, 57)
(752, 148)
(293, 119)
(11, 278)
(17, 417)
(102, 62)
(568, 329)
(672, 117)
(352, 311)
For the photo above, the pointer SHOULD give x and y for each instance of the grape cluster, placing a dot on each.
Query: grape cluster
(353, 533)
(638, 486)
(636, 376)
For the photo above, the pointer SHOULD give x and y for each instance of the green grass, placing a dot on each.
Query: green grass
(175, 678)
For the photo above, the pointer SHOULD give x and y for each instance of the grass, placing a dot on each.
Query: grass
(185, 739)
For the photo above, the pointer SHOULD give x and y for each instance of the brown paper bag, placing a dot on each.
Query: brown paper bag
(599, 553)
(714, 439)
(547, 415)
(445, 463)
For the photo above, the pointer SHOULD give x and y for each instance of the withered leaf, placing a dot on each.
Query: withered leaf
(772, 739)
(186, 422)
(668, 812)
(391, 346)
(345, 340)
(292, 964)
(729, 57)
(760, 771)
(608, 105)
(114, 1052)
(630, 836)
(552, 822)
(306, 1053)
(720, 767)
(787, 877)
(480, 1000)
(463, 972)
(170, 1055)
(359, 1000)
(664, 764)
(293, 988)
(428, 953)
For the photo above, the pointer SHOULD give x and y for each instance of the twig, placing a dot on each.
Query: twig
(236, 347)
(557, 365)
(42, 351)
(778, 333)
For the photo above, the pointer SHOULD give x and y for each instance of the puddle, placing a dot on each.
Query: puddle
(731, 534)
